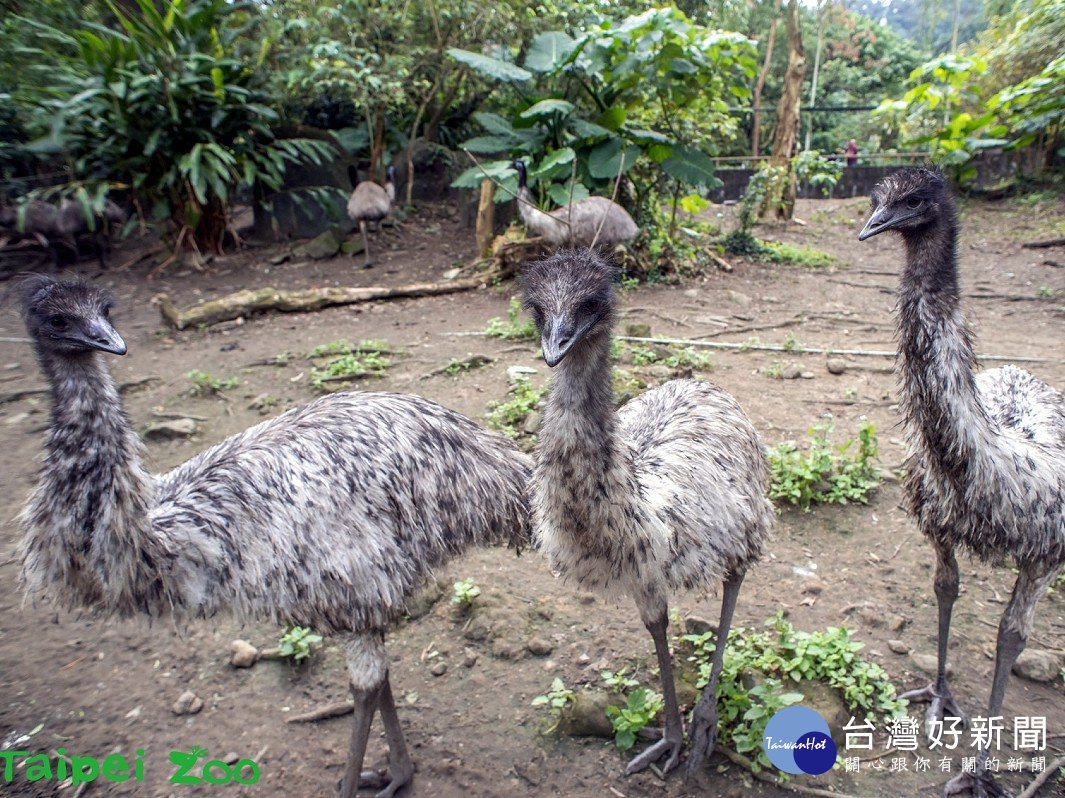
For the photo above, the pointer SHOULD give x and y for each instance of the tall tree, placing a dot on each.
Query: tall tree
(786, 138)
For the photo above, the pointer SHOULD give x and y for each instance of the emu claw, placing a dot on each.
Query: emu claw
(373, 779)
(982, 784)
(941, 704)
(702, 737)
(653, 754)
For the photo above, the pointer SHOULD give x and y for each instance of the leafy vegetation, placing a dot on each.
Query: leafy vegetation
(555, 700)
(207, 384)
(763, 672)
(509, 416)
(826, 473)
(298, 643)
(689, 356)
(513, 329)
(464, 592)
(345, 361)
(641, 708)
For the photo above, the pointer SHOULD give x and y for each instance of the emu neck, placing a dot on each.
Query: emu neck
(87, 533)
(936, 358)
(584, 461)
(536, 220)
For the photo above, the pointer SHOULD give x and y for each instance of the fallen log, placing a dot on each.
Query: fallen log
(260, 300)
(1052, 242)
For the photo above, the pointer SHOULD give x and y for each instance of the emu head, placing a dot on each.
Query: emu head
(68, 317)
(571, 297)
(908, 201)
(518, 165)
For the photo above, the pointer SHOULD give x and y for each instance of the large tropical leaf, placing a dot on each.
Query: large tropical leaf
(548, 51)
(692, 166)
(605, 160)
(491, 67)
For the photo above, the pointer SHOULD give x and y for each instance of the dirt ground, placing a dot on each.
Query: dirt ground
(96, 687)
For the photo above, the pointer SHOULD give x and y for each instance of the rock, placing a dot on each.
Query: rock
(532, 422)
(170, 430)
(469, 658)
(242, 654)
(836, 365)
(478, 630)
(438, 669)
(791, 372)
(740, 298)
(451, 274)
(813, 586)
(694, 625)
(324, 245)
(1039, 665)
(928, 663)
(504, 648)
(18, 418)
(539, 646)
(188, 703)
(585, 715)
(638, 330)
(691, 293)
(829, 704)
(424, 599)
(898, 647)
(896, 623)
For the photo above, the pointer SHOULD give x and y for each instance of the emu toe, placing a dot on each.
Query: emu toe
(390, 779)
(941, 704)
(702, 736)
(981, 784)
(666, 747)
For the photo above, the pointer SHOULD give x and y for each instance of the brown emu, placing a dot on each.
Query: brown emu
(666, 494)
(986, 469)
(370, 202)
(592, 221)
(327, 516)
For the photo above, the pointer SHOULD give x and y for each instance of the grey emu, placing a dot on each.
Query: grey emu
(370, 202)
(592, 221)
(50, 224)
(327, 516)
(986, 470)
(667, 493)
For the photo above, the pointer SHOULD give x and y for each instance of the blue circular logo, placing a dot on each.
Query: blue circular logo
(797, 740)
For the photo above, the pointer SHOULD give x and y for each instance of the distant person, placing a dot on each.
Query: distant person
(852, 152)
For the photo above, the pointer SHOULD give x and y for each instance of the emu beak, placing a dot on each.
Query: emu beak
(882, 219)
(99, 334)
(557, 339)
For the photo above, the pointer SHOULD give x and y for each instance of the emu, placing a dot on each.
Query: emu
(328, 515)
(666, 494)
(51, 225)
(370, 202)
(986, 469)
(585, 223)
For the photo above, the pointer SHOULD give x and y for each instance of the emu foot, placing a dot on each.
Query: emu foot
(391, 779)
(667, 745)
(981, 783)
(941, 704)
(702, 736)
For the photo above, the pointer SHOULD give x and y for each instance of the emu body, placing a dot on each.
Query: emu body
(664, 495)
(370, 202)
(986, 469)
(327, 516)
(592, 221)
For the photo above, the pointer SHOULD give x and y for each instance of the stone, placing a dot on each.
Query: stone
(539, 646)
(585, 715)
(170, 430)
(324, 245)
(740, 298)
(188, 703)
(1039, 665)
(813, 586)
(469, 658)
(17, 418)
(898, 647)
(438, 668)
(928, 663)
(242, 654)
(828, 703)
(791, 372)
(694, 625)
(836, 365)
(896, 623)
(532, 422)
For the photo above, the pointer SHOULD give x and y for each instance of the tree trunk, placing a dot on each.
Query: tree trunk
(786, 140)
(756, 128)
(486, 217)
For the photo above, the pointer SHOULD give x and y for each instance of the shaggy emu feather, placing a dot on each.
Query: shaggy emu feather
(666, 494)
(370, 202)
(591, 221)
(986, 469)
(327, 516)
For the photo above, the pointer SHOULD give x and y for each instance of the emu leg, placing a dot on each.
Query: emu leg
(673, 735)
(941, 702)
(1013, 630)
(400, 768)
(703, 731)
(366, 700)
(366, 264)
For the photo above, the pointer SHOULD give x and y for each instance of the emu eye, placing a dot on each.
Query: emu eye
(913, 203)
(57, 323)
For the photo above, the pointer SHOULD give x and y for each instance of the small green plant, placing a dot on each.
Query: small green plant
(555, 700)
(206, 384)
(827, 473)
(642, 708)
(1046, 292)
(513, 329)
(775, 371)
(689, 357)
(465, 592)
(778, 659)
(618, 682)
(783, 252)
(508, 416)
(791, 343)
(348, 362)
(298, 643)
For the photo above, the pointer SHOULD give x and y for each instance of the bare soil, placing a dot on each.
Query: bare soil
(96, 687)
